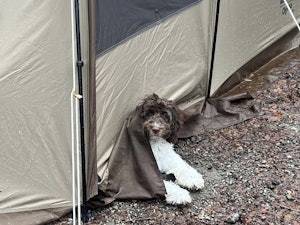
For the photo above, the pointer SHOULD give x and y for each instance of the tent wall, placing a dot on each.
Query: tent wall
(247, 28)
(36, 82)
(170, 59)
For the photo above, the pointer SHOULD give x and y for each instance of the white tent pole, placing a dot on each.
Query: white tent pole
(73, 161)
(292, 14)
(78, 162)
(75, 133)
(77, 169)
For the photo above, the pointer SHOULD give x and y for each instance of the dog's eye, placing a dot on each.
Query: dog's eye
(166, 117)
(150, 113)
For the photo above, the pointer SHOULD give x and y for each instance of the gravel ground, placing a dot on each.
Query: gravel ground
(251, 169)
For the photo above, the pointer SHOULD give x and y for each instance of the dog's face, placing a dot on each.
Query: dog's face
(161, 118)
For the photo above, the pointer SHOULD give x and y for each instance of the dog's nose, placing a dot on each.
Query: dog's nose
(156, 126)
(155, 129)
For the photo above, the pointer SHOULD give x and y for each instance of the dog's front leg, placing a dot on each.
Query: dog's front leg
(170, 162)
(176, 195)
(189, 178)
(186, 176)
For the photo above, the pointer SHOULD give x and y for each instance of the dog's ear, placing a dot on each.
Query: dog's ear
(148, 100)
(154, 96)
(177, 122)
(151, 98)
(140, 111)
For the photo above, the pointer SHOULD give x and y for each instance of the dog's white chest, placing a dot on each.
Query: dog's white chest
(163, 153)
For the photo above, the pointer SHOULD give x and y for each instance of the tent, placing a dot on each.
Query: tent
(184, 50)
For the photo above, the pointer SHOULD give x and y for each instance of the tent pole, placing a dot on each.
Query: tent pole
(213, 50)
(79, 64)
(292, 14)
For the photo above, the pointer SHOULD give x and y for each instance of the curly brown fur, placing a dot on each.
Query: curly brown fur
(161, 117)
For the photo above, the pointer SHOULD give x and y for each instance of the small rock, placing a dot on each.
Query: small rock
(240, 148)
(289, 195)
(288, 219)
(70, 221)
(209, 166)
(275, 182)
(229, 181)
(194, 139)
(180, 220)
(271, 186)
(268, 101)
(233, 218)
(288, 75)
(262, 217)
(110, 223)
(271, 183)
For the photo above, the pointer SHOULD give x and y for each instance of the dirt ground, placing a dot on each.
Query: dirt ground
(251, 169)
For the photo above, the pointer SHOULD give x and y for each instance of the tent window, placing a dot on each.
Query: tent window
(116, 20)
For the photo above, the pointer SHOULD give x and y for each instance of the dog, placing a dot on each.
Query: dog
(161, 121)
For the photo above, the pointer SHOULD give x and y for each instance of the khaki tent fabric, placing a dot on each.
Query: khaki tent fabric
(240, 40)
(36, 82)
(170, 59)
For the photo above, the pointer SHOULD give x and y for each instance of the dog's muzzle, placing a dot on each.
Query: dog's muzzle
(155, 126)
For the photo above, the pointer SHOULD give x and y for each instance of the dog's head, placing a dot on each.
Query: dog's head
(161, 118)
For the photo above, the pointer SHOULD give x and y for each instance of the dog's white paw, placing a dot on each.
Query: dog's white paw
(192, 180)
(176, 195)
